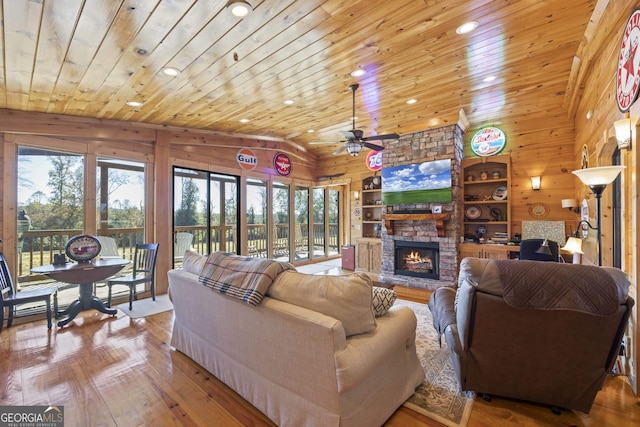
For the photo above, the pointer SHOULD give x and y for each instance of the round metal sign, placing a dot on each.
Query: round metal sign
(488, 141)
(282, 164)
(628, 72)
(374, 160)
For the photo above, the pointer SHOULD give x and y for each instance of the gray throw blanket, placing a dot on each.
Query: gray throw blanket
(557, 286)
(244, 278)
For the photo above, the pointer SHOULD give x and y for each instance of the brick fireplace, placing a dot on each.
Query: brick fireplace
(441, 231)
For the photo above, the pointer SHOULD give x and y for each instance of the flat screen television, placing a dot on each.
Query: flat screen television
(424, 182)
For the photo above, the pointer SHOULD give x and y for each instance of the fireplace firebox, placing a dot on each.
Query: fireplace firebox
(418, 259)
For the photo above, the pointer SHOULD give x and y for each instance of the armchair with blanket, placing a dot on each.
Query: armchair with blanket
(537, 331)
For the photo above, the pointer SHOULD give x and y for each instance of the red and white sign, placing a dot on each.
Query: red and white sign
(374, 160)
(628, 73)
(246, 159)
(282, 164)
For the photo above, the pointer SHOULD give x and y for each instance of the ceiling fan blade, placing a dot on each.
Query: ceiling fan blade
(349, 134)
(381, 137)
(340, 150)
(374, 147)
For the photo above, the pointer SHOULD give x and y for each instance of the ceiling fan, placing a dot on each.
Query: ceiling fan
(355, 137)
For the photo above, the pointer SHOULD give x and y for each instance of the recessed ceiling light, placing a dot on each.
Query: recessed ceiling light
(244, 120)
(239, 8)
(134, 104)
(467, 27)
(589, 114)
(357, 73)
(170, 71)
(489, 79)
(311, 131)
(289, 101)
(411, 101)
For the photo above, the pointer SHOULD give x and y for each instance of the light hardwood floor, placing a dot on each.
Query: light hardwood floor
(115, 371)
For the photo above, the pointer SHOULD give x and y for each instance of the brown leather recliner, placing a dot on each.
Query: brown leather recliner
(537, 331)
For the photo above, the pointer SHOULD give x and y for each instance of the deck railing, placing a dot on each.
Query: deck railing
(37, 247)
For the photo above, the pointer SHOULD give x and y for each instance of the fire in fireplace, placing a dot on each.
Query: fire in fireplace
(418, 259)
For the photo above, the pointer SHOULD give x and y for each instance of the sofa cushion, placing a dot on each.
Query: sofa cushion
(193, 262)
(383, 300)
(346, 298)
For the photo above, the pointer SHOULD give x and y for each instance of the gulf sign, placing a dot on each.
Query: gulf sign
(374, 160)
(246, 159)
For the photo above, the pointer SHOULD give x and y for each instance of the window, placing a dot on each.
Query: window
(301, 212)
(120, 204)
(206, 207)
(257, 218)
(50, 189)
(280, 239)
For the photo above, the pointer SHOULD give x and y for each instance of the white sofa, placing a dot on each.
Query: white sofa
(294, 364)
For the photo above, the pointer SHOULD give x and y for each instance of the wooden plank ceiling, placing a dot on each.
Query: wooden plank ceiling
(88, 57)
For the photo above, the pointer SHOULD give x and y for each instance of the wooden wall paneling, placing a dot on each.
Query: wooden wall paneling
(161, 215)
(9, 201)
(90, 182)
(71, 126)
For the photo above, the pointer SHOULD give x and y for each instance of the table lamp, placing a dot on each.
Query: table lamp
(574, 246)
(597, 179)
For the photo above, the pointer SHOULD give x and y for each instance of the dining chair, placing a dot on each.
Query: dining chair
(144, 266)
(10, 298)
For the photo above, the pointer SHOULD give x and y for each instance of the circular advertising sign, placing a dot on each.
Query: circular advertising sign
(282, 164)
(246, 159)
(628, 72)
(374, 160)
(488, 141)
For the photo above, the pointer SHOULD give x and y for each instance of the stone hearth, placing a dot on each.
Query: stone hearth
(435, 144)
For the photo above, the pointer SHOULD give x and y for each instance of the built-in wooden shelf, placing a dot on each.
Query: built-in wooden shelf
(439, 219)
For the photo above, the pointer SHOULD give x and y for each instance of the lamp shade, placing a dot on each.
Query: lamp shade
(569, 203)
(602, 175)
(573, 245)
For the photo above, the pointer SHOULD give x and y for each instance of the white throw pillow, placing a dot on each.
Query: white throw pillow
(193, 262)
(346, 298)
(383, 300)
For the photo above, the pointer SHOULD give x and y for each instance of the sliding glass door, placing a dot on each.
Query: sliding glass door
(205, 212)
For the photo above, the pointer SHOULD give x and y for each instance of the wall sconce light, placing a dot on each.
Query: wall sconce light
(624, 132)
(597, 179)
(239, 8)
(535, 182)
(356, 195)
(571, 204)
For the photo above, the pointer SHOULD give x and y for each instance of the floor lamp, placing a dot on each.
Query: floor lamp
(597, 179)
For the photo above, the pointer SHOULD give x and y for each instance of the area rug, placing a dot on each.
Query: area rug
(438, 397)
(147, 307)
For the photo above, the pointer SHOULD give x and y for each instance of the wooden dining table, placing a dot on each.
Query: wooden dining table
(84, 274)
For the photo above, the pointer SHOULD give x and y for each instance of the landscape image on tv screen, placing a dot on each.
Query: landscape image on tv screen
(417, 183)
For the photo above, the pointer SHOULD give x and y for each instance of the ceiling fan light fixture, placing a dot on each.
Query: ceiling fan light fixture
(239, 8)
(354, 148)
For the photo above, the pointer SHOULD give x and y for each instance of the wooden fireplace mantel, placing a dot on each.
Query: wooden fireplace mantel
(439, 219)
